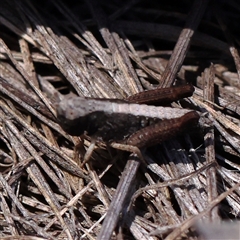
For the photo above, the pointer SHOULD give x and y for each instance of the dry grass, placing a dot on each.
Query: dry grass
(113, 50)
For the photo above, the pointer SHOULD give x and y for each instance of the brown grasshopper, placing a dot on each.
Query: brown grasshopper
(126, 122)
